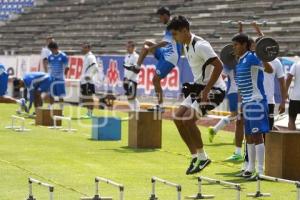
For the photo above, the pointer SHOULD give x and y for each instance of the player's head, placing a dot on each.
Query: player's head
(86, 47)
(241, 44)
(53, 46)
(180, 29)
(130, 47)
(49, 39)
(18, 83)
(164, 14)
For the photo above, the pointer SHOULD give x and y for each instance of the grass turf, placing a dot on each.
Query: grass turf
(70, 161)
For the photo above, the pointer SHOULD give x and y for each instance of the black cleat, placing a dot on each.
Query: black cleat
(199, 165)
(191, 166)
(247, 174)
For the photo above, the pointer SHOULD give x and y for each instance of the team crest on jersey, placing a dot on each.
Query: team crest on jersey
(255, 130)
(51, 58)
(59, 59)
(245, 60)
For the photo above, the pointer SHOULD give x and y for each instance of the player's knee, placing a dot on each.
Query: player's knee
(156, 80)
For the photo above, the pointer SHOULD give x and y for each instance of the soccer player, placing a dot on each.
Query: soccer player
(131, 72)
(58, 68)
(87, 85)
(45, 53)
(294, 95)
(233, 101)
(204, 94)
(249, 78)
(35, 83)
(167, 52)
(3, 90)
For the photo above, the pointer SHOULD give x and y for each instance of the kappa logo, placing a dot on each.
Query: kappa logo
(255, 130)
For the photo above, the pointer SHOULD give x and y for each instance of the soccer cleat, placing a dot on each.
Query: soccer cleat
(199, 165)
(247, 174)
(240, 174)
(191, 166)
(23, 105)
(235, 157)
(212, 133)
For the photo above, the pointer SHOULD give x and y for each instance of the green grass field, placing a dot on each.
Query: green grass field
(70, 161)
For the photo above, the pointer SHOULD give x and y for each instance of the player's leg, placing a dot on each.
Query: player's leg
(293, 106)
(144, 52)
(233, 106)
(158, 89)
(38, 102)
(134, 103)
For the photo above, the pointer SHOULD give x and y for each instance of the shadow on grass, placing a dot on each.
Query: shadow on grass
(219, 144)
(126, 149)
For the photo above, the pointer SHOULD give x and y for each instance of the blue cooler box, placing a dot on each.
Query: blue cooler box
(106, 128)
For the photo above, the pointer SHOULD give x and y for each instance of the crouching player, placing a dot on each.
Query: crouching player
(35, 83)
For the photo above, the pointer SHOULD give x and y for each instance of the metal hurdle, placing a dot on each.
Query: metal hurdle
(13, 126)
(156, 179)
(68, 119)
(199, 195)
(50, 187)
(97, 193)
(274, 179)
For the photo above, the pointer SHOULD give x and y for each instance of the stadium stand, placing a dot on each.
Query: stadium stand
(108, 25)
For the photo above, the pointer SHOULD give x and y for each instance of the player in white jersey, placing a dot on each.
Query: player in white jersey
(45, 53)
(167, 52)
(204, 94)
(294, 95)
(131, 71)
(89, 71)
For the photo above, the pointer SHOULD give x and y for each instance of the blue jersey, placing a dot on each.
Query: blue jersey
(172, 51)
(37, 81)
(57, 65)
(3, 80)
(250, 78)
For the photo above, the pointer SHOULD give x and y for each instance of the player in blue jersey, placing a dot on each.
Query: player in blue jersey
(167, 52)
(249, 79)
(3, 90)
(58, 69)
(35, 83)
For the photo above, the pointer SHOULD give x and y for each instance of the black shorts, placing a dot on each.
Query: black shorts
(130, 88)
(87, 89)
(192, 90)
(271, 115)
(294, 108)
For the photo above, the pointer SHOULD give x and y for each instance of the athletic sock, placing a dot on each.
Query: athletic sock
(61, 106)
(134, 105)
(238, 150)
(260, 156)
(202, 155)
(221, 124)
(251, 156)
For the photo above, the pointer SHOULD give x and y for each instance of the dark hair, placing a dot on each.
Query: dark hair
(132, 43)
(87, 45)
(178, 23)
(16, 82)
(242, 38)
(53, 45)
(163, 11)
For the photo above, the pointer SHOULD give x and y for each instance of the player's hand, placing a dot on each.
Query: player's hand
(204, 96)
(281, 108)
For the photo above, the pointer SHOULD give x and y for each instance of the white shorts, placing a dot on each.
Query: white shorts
(187, 102)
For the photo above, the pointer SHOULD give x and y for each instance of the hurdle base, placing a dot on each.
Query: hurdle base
(69, 130)
(55, 127)
(258, 194)
(12, 127)
(31, 198)
(200, 196)
(22, 130)
(96, 197)
(153, 197)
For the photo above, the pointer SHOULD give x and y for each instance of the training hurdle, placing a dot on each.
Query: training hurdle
(274, 179)
(107, 181)
(68, 119)
(50, 187)
(13, 126)
(199, 195)
(156, 179)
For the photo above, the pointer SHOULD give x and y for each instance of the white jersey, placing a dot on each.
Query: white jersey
(198, 52)
(131, 60)
(90, 68)
(269, 78)
(45, 53)
(295, 92)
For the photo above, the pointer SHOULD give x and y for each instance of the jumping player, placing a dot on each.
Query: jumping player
(167, 52)
(204, 94)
